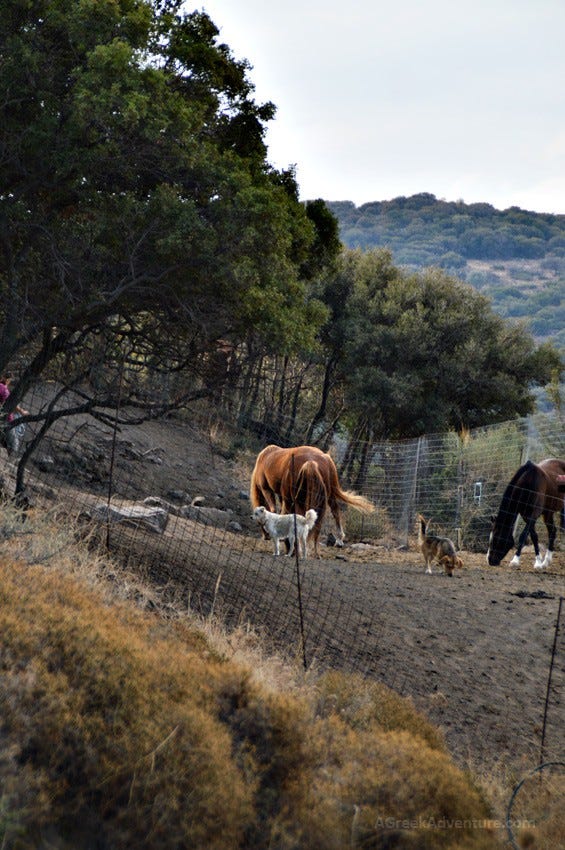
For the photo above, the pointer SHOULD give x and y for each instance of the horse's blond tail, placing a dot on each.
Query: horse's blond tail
(358, 502)
(310, 478)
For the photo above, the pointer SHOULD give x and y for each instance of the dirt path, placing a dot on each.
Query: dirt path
(472, 651)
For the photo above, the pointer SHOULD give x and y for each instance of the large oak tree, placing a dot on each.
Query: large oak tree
(426, 353)
(136, 200)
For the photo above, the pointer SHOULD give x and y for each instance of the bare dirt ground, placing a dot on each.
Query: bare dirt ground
(473, 651)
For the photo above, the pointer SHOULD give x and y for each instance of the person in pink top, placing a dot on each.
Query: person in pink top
(14, 435)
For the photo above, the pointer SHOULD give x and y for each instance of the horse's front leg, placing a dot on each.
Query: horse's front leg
(529, 529)
(260, 494)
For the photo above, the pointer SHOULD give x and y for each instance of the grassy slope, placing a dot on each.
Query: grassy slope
(122, 723)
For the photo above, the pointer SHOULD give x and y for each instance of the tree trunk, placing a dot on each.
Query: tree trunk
(322, 409)
(294, 412)
(365, 456)
(282, 392)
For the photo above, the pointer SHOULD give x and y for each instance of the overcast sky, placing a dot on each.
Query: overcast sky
(379, 98)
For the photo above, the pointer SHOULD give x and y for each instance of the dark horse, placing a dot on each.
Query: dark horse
(302, 478)
(534, 490)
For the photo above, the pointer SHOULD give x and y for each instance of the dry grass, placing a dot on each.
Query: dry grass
(132, 721)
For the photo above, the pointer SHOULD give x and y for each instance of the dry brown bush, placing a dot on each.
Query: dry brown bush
(137, 728)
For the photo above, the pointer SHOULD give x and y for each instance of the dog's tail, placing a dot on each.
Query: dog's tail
(311, 517)
(422, 528)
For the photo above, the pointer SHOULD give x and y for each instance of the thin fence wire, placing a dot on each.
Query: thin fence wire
(211, 558)
(536, 806)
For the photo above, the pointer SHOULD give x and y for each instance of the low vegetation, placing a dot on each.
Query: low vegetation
(129, 721)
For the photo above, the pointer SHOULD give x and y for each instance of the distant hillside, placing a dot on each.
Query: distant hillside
(515, 257)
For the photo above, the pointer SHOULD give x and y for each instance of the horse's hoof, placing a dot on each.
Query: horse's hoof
(515, 562)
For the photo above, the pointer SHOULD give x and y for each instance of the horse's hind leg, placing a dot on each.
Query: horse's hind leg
(336, 513)
(538, 563)
(551, 535)
(315, 534)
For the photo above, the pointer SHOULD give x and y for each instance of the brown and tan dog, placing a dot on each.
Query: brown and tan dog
(440, 549)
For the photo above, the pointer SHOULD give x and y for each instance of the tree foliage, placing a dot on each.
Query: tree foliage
(142, 230)
(420, 353)
(422, 223)
(135, 184)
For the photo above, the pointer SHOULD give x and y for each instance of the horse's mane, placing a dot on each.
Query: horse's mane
(508, 509)
(519, 472)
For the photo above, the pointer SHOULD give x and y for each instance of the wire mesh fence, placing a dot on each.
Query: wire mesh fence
(140, 487)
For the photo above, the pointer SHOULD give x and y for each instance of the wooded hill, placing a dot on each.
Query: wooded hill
(515, 257)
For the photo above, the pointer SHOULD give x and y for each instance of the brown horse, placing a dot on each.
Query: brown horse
(534, 491)
(302, 478)
(305, 490)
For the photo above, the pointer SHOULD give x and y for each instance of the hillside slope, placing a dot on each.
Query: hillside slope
(515, 257)
(125, 728)
(368, 607)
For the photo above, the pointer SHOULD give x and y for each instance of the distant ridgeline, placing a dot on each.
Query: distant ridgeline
(515, 257)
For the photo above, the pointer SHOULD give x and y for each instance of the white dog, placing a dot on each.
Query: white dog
(281, 527)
